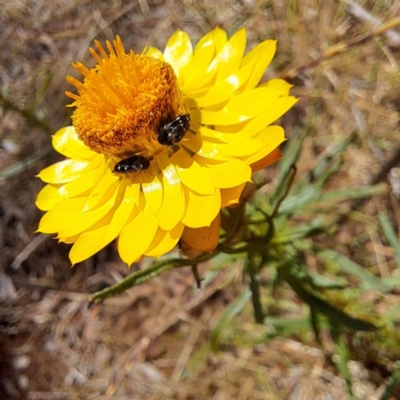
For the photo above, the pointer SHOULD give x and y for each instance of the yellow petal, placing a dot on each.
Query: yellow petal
(178, 51)
(155, 53)
(63, 171)
(269, 159)
(242, 146)
(153, 193)
(231, 195)
(88, 244)
(106, 185)
(230, 56)
(200, 209)
(172, 208)
(228, 174)
(278, 84)
(164, 241)
(86, 220)
(67, 143)
(61, 215)
(124, 212)
(203, 239)
(197, 73)
(137, 236)
(272, 136)
(280, 107)
(242, 107)
(222, 90)
(260, 57)
(192, 174)
(48, 197)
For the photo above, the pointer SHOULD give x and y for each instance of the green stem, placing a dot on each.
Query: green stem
(255, 292)
(145, 275)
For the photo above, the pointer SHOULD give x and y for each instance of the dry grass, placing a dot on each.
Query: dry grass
(154, 341)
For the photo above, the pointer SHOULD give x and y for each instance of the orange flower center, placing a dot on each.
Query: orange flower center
(124, 101)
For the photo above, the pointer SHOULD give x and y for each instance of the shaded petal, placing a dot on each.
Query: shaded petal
(231, 195)
(269, 159)
(67, 143)
(178, 51)
(203, 239)
(164, 241)
(200, 209)
(137, 236)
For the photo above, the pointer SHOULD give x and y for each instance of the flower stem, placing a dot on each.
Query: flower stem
(145, 275)
(255, 291)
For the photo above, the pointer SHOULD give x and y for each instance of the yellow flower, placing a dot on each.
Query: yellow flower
(171, 191)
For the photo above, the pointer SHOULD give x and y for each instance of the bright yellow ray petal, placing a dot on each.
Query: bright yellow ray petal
(137, 236)
(200, 209)
(63, 171)
(230, 56)
(231, 195)
(124, 212)
(178, 51)
(155, 53)
(260, 57)
(228, 174)
(86, 220)
(280, 107)
(196, 72)
(278, 84)
(164, 241)
(88, 244)
(270, 138)
(192, 174)
(242, 107)
(61, 215)
(222, 90)
(153, 193)
(203, 239)
(67, 143)
(105, 186)
(172, 208)
(48, 197)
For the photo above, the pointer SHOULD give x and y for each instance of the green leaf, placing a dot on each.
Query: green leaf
(368, 280)
(231, 311)
(322, 305)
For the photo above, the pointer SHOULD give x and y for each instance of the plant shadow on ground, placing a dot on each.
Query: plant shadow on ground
(168, 339)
